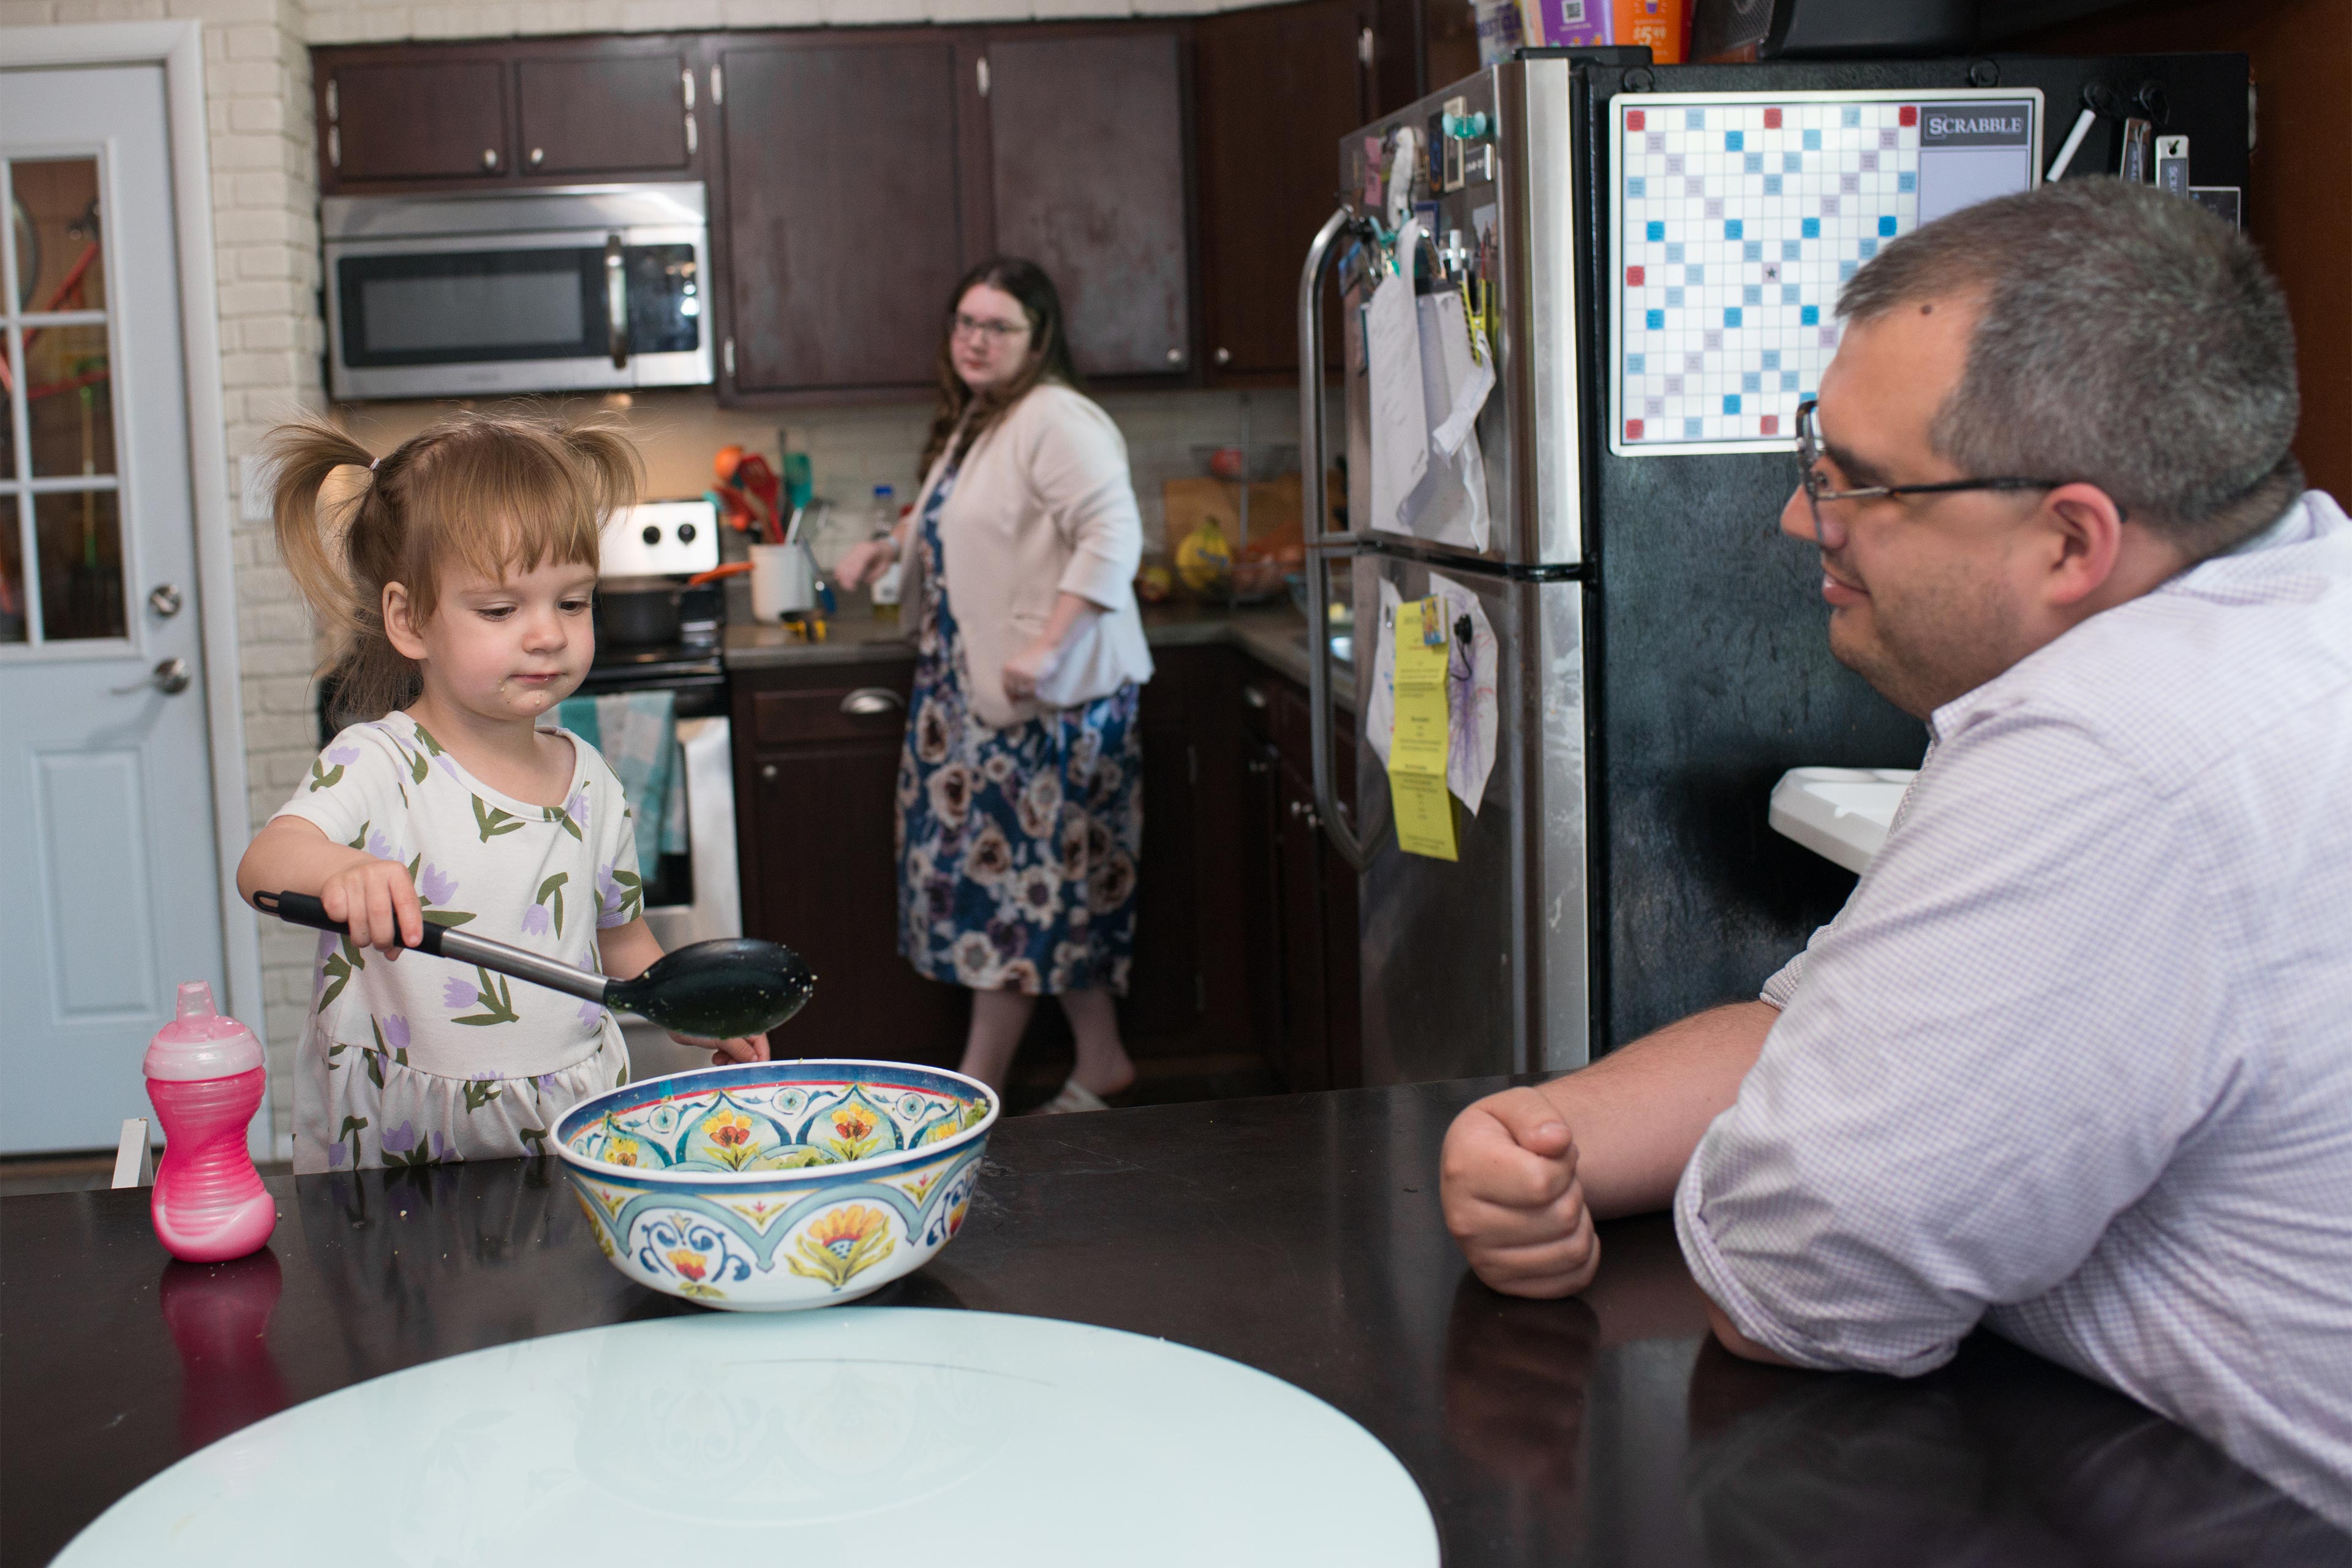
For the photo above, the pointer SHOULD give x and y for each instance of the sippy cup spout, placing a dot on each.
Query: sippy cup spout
(196, 999)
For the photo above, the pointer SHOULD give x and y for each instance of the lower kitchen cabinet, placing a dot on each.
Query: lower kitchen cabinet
(816, 766)
(1316, 957)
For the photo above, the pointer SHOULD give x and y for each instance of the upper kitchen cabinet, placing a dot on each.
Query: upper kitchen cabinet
(430, 117)
(1277, 87)
(549, 112)
(614, 112)
(845, 227)
(1086, 177)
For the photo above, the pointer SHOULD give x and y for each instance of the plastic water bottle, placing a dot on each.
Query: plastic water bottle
(885, 586)
(206, 1076)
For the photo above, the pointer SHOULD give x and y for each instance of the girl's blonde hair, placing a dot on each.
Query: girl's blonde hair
(487, 493)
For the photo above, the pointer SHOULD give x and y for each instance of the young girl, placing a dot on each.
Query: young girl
(458, 577)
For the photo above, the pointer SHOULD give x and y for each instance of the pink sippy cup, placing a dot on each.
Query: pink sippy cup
(206, 1076)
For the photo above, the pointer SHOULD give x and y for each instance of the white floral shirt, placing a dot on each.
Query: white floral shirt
(421, 1060)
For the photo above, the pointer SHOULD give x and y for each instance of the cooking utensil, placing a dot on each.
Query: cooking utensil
(714, 990)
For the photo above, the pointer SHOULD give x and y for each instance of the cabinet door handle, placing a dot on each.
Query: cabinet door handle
(871, 702)
(1258, 767)
(1225, 356)
(538, 156)
(1254, 697)
(616, 303)
(767, 771)
(489, 157)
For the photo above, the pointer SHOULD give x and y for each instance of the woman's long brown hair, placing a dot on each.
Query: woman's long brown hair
(487, 493)
(1049, 357)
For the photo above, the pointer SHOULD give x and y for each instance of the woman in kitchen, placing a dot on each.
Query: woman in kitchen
(1020, 810)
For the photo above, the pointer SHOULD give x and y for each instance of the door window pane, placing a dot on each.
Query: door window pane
(58, 265)
(70, 400)
(9, 381)
(11, 574)
(79, 536)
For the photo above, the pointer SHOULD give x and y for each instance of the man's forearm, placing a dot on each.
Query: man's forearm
(1638, 1112)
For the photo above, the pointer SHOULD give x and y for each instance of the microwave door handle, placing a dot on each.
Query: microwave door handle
(616, 303)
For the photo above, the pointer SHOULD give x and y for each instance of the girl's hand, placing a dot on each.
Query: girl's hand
(861, 564)
(376, 900)
(742, 1049)
(1024, 669)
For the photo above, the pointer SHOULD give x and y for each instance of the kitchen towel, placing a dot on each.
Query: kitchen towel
(637, 733)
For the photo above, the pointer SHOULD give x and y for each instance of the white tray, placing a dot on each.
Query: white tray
(1841, 813)
(863, 1435)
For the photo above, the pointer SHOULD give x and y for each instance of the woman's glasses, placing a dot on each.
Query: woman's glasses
(963, 326)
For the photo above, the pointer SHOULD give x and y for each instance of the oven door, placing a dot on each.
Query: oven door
(541, 311)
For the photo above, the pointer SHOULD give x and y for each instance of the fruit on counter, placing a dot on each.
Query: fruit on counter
(1154, 583)
(1202, 559)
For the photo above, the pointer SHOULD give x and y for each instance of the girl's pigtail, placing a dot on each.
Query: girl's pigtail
(608, 463)
(304, 453)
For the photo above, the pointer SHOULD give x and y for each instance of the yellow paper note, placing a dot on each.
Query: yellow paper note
(1424, 812)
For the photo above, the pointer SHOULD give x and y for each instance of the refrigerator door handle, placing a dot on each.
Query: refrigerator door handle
(1316, 513)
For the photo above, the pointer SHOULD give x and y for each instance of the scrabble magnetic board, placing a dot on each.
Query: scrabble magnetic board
(1736, 217)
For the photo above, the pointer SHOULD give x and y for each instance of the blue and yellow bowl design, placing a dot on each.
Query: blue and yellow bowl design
(773, 1186)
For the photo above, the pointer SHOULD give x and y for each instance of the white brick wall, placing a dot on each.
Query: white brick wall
(266, 232)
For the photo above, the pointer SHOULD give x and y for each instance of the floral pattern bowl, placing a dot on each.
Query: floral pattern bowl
(768, 1186)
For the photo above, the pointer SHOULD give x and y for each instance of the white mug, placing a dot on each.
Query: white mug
(784, 579)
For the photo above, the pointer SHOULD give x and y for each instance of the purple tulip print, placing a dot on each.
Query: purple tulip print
(591, 1013)
(535, 921)
(608, 891)
(436, 886)
(380, 847)
(457, 993)
(395, 1032)
(442, 1148)
(400, 1140)
(342, 756)
(336, 1156)
(576, 808)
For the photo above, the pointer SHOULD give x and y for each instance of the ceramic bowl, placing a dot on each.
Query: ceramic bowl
(770, 1187)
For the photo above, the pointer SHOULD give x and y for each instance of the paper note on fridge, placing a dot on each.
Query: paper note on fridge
(1417, 750)
(1400, 433)
(1380, 702)
(1449, 505)
(1470, 707)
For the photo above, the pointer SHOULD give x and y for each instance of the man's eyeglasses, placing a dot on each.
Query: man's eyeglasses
(1809, 454)
(963, 326)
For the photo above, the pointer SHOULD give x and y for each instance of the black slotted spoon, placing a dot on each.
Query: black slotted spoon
(715, 990)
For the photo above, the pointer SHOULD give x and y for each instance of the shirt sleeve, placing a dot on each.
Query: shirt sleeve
(356, 793)
(1080, 471)
(1995, 1049)
(620, 895)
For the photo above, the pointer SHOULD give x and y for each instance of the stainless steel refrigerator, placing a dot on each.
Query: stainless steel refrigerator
(1657, 250)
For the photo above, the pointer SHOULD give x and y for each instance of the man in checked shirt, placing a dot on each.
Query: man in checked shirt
(2075, 1060)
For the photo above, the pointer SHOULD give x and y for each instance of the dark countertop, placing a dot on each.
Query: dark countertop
(1299, 1235)
(1274, 635)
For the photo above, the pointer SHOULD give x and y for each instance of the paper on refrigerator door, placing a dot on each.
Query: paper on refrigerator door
(1469, 689)
(1380, 702)
(1418, 793)
(1400, 433)
(1449, 505)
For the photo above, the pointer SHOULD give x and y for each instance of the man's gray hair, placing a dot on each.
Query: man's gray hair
(2130, 338)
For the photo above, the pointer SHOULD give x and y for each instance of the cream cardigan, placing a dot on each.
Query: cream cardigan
(1043, 505)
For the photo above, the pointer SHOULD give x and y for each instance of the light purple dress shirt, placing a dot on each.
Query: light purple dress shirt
(2076, 1058)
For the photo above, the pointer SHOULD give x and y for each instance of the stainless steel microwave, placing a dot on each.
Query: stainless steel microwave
(563, 288)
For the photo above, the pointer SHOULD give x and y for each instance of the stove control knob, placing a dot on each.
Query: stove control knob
(685, 534)
(652, 535)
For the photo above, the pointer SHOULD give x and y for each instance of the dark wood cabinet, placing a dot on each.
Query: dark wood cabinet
(844, 229)
(453, 116)
(1277, 88)
(816, 766)
(1086, 177)
(1315, 957)
(608, 113)
(414, 118)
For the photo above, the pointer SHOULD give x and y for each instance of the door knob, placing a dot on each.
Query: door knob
(767, 771)
(1225, 356)
(1175, 356)
(538, 156)
(170, 678)
(164, 600)
(871, 702)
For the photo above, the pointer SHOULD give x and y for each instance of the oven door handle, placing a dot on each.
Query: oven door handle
(616, 303)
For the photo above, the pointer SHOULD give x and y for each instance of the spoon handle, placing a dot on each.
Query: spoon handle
(446, 941)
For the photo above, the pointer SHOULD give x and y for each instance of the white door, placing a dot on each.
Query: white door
(106, 809)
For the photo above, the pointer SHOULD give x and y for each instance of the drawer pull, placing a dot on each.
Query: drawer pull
(871, 702)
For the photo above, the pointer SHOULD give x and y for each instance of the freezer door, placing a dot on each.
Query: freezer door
(1503, 208)
(1480, 965)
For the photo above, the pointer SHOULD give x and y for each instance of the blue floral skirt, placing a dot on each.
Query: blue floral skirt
(1016, 846)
